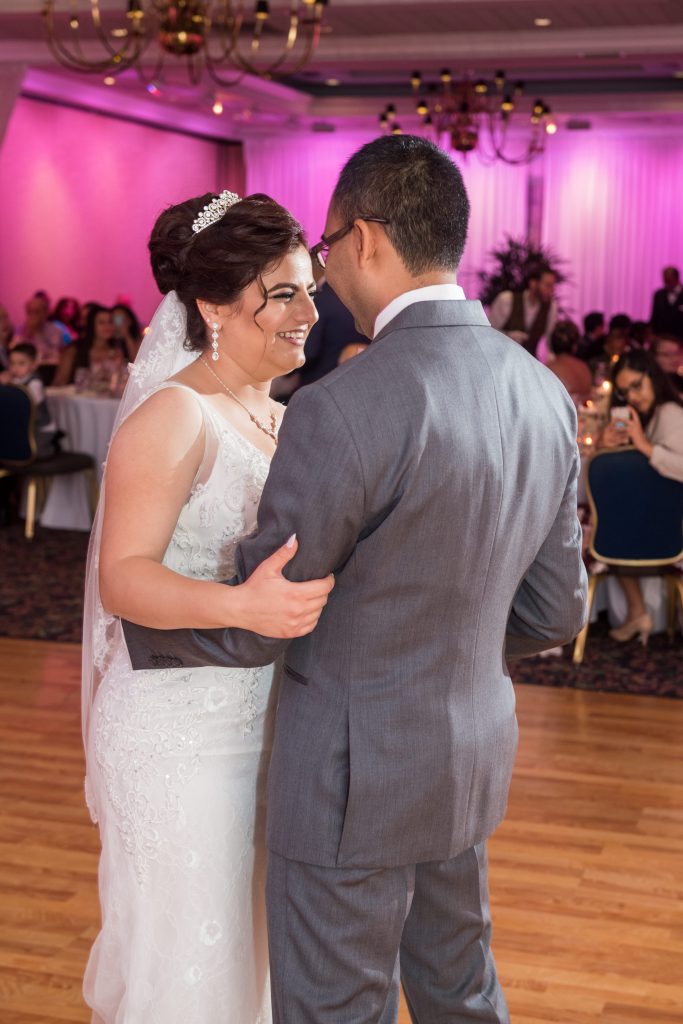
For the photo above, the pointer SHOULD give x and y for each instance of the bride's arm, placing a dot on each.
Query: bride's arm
(150, 470)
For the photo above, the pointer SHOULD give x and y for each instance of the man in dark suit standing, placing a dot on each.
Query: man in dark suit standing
(667, 305)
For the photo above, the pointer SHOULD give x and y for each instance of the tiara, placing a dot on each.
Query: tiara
(214, 210)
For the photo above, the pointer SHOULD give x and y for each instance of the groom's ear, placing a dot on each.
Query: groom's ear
(364, 241)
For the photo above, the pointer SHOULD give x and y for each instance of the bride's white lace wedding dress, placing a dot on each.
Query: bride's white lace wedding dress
(180, 759)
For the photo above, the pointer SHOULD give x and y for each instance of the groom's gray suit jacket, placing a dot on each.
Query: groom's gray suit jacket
(435, 475)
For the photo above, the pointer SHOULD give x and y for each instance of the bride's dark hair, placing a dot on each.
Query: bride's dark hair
(218, 263)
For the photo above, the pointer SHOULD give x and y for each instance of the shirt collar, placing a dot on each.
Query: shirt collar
(431, 293)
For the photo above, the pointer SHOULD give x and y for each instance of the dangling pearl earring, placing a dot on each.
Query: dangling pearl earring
(214, 341)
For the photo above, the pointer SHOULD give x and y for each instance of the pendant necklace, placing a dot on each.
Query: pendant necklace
(270, 431)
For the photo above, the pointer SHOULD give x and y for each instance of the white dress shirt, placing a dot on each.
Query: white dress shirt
(431, 293)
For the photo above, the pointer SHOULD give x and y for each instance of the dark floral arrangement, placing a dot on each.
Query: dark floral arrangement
(513, 263)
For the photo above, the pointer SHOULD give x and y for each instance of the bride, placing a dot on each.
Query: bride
(177, 758)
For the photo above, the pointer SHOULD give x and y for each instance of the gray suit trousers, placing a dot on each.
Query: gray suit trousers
(341, 940)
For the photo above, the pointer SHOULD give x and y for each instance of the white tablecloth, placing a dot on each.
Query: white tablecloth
(88, 421)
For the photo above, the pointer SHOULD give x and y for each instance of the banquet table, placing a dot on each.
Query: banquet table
(87, 419)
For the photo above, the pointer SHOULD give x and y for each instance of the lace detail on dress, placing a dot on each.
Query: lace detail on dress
(180, 766)
(138, 728)
(221, 510)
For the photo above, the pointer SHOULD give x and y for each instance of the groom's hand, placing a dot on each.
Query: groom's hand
(274, 607)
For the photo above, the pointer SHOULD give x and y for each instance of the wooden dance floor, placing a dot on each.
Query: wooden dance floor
(586, 872)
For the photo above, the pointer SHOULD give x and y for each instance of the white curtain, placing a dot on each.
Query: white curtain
(498, 199)
(613, 210)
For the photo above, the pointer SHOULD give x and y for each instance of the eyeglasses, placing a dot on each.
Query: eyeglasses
(636, 387)
(319, 252)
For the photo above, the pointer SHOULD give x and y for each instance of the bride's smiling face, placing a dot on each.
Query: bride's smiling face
(266, 339)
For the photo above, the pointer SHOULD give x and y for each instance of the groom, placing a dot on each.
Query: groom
(435, 475)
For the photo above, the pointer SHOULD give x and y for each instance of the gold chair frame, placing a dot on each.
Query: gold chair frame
(674, 582)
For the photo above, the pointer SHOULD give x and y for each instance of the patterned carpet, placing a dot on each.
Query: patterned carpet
(41, 586)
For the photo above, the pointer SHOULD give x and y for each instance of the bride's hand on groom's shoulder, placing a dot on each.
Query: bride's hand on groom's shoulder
(275, 607)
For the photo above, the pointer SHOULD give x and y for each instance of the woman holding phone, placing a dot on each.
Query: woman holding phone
(646, 413)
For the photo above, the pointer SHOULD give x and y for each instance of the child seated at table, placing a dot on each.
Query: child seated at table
(22, 369)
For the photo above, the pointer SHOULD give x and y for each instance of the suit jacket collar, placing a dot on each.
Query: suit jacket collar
(446, 313)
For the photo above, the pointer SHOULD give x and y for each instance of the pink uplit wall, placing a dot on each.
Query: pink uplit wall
(613, 209)
(79, 193)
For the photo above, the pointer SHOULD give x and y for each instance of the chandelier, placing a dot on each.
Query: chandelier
(216, 36)
(477, 116)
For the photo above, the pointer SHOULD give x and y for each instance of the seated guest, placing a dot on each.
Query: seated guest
(23, 362)
(620, 322)
(594, 330)
(126, 330)
(668, 351)
(529, 315)
(573, 372)
(653, 424)
(614, 345)
(641, 335)
(667, 305)
(334, 330)
(46, 336)
(6, 337)
(82, 321)
(66, 315)
(96, 350)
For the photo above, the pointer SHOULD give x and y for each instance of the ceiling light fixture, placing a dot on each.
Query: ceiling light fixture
(542, 22)
(477, 115)
(212, 36)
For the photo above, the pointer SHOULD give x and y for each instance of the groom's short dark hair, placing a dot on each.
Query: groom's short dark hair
(415, 186)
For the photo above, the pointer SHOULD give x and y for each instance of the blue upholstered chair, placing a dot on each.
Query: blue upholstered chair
(18, 452)
(637, 517)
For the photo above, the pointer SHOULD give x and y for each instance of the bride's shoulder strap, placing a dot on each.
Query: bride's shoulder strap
(199, 398)
(208, 417)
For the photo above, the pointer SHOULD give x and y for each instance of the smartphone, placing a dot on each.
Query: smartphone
(119, 319)
(620, 417)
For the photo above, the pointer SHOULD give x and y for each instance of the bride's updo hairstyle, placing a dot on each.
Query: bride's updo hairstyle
(219, 262)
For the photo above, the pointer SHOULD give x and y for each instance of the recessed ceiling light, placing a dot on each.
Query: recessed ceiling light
(542, 22)
(109, 80)
(331, 81)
